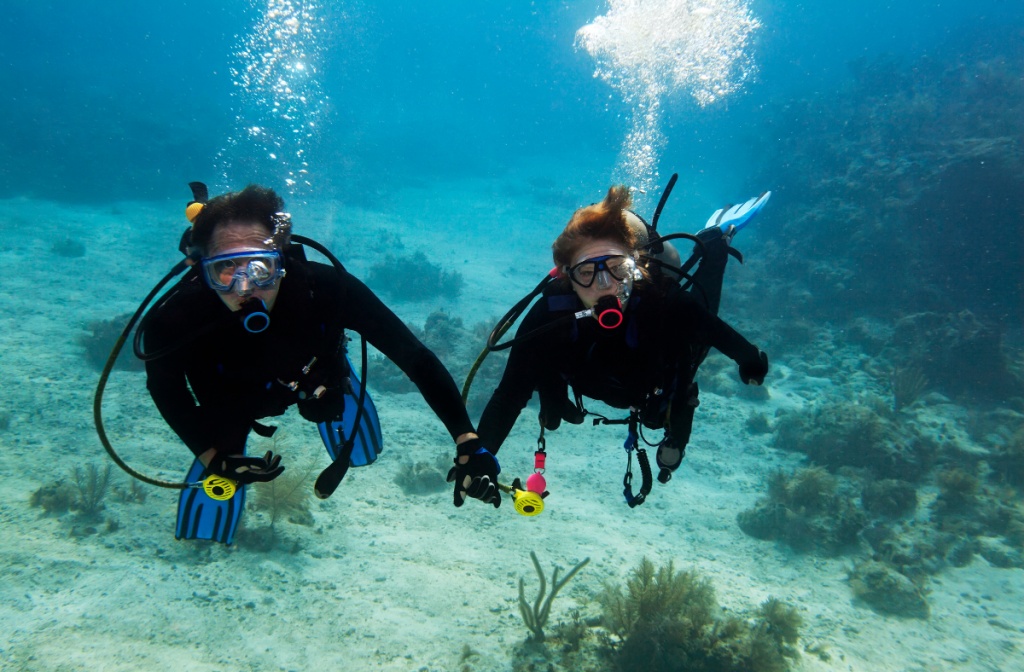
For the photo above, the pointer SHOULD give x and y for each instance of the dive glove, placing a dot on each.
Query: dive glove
(245, 469)
(754, 371)
(478, 477)
(557, 408)
(328, 407)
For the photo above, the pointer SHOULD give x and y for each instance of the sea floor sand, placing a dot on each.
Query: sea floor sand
(382, 580)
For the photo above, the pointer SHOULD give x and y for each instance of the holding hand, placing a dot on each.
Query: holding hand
(245, 469)
(754, 371)
(475, 474)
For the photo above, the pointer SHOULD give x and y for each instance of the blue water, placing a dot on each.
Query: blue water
(121, 100)
(888, 132)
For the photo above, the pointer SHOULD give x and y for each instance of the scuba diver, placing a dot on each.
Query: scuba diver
(621, 321)
(253, 328)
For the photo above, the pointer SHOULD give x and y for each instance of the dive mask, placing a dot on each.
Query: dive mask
(242, 270)
(603, 269)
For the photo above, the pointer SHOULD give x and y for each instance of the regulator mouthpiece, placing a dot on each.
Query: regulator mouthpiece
(219, 488)
(254, 315)
(528, 502)
(608, 311)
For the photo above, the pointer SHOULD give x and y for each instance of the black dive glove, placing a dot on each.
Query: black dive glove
(552, 412)
(478, 477)
(754, 371)
(328, 407)
(245, 469)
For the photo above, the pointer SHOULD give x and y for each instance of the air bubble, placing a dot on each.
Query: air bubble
(278, 97)
(647, 49)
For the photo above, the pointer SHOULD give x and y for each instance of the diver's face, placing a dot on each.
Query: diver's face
(602, 281)
(236, 236)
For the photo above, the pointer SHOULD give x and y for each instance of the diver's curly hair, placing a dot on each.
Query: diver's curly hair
(252, 204)
(604, 220)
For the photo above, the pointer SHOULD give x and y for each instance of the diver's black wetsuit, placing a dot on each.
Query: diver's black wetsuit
(655, 349)
(237, 377)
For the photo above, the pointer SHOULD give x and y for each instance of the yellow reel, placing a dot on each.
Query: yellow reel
(219, 488)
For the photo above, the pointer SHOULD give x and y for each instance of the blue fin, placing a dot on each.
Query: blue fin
(368, 442)
(737, 216)
(202, 517)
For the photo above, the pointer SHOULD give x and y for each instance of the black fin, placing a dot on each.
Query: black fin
(200, 193)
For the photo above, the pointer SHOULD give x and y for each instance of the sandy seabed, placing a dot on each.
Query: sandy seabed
(382, 580)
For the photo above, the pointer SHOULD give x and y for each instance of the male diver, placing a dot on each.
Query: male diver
(253, 328)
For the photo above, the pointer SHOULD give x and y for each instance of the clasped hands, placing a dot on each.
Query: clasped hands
(475, 474)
